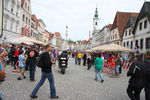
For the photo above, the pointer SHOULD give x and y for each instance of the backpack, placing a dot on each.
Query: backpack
(40, 61)
(31, 54)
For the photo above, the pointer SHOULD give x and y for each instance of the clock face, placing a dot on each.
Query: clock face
(1, 16)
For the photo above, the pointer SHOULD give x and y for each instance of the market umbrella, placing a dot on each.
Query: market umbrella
(114, 47)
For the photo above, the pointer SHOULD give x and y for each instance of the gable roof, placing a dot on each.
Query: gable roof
(145, 11)
(120, 21)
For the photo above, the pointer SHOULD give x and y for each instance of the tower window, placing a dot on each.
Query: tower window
(96, 23)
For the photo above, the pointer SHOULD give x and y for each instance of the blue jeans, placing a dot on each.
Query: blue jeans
(117, 68)
(0, 96)
(32, 68)
(98, 71)
(76, 60)
(50, 78)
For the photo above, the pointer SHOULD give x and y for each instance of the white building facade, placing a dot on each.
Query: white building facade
(11, 19)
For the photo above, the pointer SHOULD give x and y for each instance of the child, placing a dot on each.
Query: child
(113, 65)
(21, 65)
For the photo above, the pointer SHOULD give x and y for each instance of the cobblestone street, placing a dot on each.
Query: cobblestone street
(77, 84)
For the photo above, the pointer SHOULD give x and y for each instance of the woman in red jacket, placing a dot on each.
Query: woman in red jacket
(16, 57)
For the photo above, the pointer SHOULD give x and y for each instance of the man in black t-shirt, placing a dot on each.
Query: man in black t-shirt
(31, 57)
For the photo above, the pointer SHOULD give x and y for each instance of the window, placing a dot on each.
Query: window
(131, 44)
(16, 13)
(26, 19)
(29, 21)
(23, 18)
(5, 24)
(11, 10)
(28, 8)
(16, 27)
(11, 26)
(140, 27)
(136, 43)
(96, 23)
(129, 32)
(145, 24)
(115, 36)
(126, 33)
(141, 44)
(124, 44)
(148, 43)
(127, 44)
(25, 5)
(118, 43)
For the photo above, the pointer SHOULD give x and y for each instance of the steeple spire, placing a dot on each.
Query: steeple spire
(96, 12)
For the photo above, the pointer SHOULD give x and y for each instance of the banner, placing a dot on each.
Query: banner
(1, 18)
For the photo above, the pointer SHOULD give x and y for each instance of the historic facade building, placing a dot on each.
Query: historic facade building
(11, 19)
(141, 30)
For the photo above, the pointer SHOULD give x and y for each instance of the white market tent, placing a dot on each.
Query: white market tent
(23, 39)
(113, 47)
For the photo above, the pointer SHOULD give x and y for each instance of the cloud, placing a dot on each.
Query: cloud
(78, 14)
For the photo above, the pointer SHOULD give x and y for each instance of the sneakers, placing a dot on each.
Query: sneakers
(102, 81)
(33, 97)
(24, 77)
(55, 97)
(19, 78)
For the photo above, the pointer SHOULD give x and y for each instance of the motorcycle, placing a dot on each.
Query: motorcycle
(63, 65)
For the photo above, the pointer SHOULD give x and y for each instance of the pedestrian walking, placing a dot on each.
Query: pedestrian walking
(46, 73)
(79, 57)
(120, 69)
(76, 58)
(98, 68)
(84, 59)
(12, 52)
(118, 64)
(112, 67)
(137, 80)
(21, 65)
(88, 61)
(147, 86)
(32, 56)
(16, 54)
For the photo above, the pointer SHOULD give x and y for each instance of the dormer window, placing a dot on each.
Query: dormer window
(125, 33)
(145, 24)
(140, 27)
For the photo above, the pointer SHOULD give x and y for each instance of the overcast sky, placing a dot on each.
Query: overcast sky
(78, 14)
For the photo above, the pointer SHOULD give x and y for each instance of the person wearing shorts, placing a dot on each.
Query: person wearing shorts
(21, 65)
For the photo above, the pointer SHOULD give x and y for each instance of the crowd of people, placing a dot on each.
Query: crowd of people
(139, 70)
(24, 58)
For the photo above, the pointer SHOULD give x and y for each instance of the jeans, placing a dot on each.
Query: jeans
(79, 61)
(117, 68)
(50, 78)
(76, 60)
(32, 68)
(0, 96)
(98, 71)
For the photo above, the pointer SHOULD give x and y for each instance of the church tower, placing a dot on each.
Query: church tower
(95, 20)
